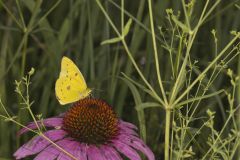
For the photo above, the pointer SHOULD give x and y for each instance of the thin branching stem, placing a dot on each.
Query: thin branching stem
(207, 69)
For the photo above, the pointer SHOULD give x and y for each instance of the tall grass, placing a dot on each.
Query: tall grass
(170, 67)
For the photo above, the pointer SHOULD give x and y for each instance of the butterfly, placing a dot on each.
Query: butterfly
(70, 86)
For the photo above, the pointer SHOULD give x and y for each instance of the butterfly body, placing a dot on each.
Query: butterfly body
(70, 86)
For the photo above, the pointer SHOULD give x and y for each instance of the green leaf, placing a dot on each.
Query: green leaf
(118, 39)
(127, 27)
(144, 105)
(113, 40)
(64, 31)
(140, 113)
(238, 7)
(136, 95)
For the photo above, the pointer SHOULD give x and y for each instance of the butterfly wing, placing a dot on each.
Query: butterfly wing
(70, 86)
(69, 69)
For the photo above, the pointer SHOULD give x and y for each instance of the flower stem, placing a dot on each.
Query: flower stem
(167, 133)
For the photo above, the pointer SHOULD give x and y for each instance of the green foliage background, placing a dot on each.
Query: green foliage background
(36, 33)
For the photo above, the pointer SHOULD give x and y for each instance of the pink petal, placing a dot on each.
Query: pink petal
(110, 153)
(126, 150)
(49, 122)
(81, 151)
(63, 156)
(77, 150)
(93, 153)
(123, 129)
(71, 147)
(138, 144)
(38, 143)
(129, 125)
(52, 152)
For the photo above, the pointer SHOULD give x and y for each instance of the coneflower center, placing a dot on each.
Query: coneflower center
(91, 121)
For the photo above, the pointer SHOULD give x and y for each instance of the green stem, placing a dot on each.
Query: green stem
(156, 52)
(167, 133)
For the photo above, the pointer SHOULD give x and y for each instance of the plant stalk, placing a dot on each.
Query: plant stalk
(167, 133)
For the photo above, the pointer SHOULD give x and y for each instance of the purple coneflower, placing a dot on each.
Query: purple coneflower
(89, 130)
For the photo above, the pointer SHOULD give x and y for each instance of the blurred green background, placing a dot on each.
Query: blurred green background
(36, 33)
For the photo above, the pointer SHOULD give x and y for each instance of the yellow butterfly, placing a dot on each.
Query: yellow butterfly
(70, 86)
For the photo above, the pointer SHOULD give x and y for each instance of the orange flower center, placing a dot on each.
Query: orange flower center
(91, 121)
